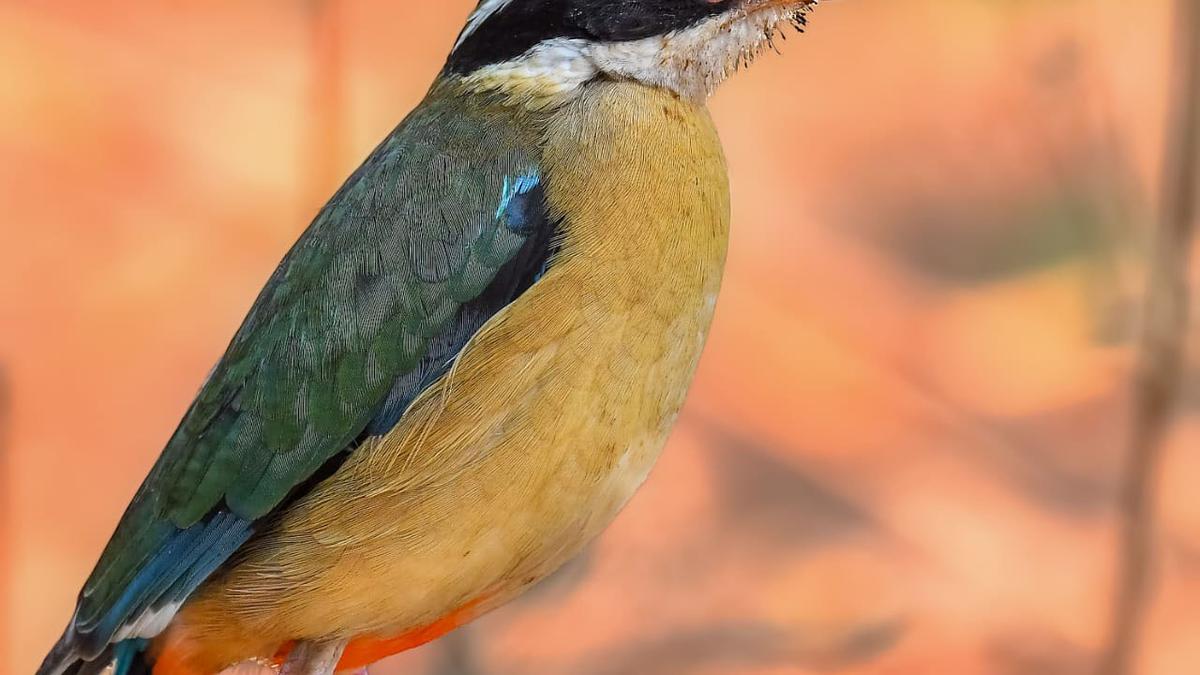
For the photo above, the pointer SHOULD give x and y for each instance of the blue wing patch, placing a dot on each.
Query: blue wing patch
(522, 206)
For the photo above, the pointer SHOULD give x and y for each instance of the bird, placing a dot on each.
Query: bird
(463, 369)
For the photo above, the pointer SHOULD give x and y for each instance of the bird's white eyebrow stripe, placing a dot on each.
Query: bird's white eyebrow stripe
(481, 14)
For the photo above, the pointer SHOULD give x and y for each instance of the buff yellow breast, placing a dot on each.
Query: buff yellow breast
(548, 422)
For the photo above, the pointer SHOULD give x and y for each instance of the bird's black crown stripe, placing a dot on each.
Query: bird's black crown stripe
(522, 24)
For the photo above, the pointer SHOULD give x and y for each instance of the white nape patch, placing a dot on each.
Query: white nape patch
(546, 74)
(150, 623)
(485, 9)
(691, 62)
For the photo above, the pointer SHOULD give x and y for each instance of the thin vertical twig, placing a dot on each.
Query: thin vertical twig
(457, 655)
(6, 504)
(1162, 361)
(326, 140)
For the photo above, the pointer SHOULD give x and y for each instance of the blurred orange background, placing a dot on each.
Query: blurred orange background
(903, 448)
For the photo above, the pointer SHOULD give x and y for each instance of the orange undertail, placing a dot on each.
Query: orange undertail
(172, 657)
(364, 651)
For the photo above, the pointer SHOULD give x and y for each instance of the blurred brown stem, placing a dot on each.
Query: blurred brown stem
(326, 92)
(6, 536)
(1163, 359)
(458, 654)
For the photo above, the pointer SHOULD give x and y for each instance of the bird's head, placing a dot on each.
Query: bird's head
(544, 51)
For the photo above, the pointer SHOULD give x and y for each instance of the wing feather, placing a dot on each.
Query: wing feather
(441, 227)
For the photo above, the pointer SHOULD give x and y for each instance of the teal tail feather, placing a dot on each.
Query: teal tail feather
(127, 658)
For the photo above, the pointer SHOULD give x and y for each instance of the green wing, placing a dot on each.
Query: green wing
(447, 205)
